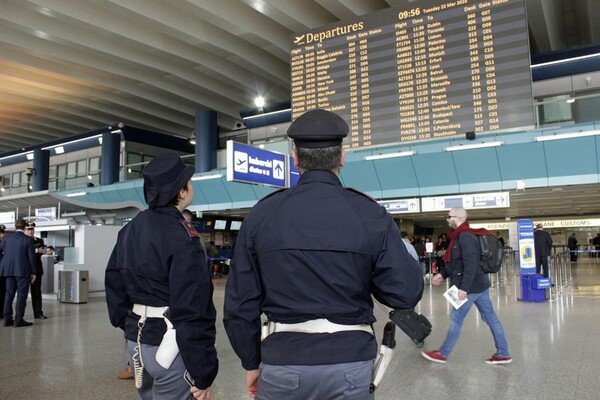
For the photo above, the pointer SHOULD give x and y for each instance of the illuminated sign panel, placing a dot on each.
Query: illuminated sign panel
(423, 70)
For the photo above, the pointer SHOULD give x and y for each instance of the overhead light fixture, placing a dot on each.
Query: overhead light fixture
(571, 100)
(259, 102)
(192, 139)
(29, 156)
(473, 146)
(76, 194)
(287, 110)
(207, 177)
(73, 214)
(570, 135)
(59, 149)
(391, 155)
(566, 60)
(2, 189)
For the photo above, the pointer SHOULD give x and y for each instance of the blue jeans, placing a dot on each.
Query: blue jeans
(486, 309)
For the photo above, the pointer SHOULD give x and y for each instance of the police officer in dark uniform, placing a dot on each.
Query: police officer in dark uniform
(158, 267)
(310, 257)
(36, 287)
(18, 268)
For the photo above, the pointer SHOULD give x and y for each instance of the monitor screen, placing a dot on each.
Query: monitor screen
(418, 71)
(235, 225)
(220, 224)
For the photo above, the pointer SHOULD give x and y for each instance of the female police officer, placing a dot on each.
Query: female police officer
(158, 267)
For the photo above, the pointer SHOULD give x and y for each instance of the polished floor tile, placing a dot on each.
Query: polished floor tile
(76, 354)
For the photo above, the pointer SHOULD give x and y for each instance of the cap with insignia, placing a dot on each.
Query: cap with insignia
(164, 177)
(29, 225)
(318, 128)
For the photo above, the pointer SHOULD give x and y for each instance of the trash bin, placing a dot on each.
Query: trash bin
(73, 286)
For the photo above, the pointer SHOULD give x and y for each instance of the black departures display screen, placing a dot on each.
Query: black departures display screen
(429, 69)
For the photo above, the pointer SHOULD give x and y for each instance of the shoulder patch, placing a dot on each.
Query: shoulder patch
(363, 194)
(192, 233)
(272, 193)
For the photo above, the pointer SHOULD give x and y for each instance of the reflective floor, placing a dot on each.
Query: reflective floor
(75, 354)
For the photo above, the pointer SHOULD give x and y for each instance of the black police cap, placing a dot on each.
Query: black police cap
(29, 225)
(318, 128)
(164, 177)
(3, 228)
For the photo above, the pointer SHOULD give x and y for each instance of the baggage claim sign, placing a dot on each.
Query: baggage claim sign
(420, 71)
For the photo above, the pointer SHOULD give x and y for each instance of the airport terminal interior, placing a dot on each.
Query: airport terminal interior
(76, 354)
(488, 105)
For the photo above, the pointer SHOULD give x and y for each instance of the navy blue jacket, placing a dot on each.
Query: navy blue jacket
(317, 250)
(464, 270)
(18, 256)
(159, 261)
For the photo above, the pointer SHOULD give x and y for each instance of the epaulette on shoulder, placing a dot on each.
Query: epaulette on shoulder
(192, 233)
(273, 193)
(363, 194)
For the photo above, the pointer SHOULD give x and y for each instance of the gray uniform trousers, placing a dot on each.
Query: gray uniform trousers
(346, 381)
(160, 383)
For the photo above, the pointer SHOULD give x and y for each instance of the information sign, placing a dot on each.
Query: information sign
(421, 70)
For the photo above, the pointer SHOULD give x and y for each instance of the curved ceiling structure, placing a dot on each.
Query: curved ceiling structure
(71, 66)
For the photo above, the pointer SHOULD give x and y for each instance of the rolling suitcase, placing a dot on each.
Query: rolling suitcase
(416, 326)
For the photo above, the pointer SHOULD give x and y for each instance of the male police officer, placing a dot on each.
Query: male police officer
(36, 287)
(157, 276)
(18, 268)
(310, 258)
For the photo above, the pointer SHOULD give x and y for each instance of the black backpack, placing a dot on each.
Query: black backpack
(492, 254)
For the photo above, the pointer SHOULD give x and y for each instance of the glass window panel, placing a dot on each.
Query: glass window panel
(94, 164)
(82, 167)
(71, 168)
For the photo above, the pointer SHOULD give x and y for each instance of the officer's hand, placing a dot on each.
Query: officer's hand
(32, 278)
(200, 394)
(252, 382)
(437, 280)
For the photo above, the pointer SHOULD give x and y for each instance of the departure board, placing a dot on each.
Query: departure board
(426, 70)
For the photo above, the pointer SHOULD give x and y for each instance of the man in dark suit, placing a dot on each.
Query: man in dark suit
(543, 249)
(2, 285)
(36, 287)
(18, 269)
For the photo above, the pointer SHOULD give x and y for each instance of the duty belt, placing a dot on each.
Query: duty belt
(321, 325)
(149, 311)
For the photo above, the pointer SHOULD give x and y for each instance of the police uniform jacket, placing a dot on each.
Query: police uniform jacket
(158, 261)
(464, 269)
(317, 250)
(39, 266)
(18, 257)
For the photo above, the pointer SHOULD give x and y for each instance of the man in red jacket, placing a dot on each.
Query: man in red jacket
(462, 266)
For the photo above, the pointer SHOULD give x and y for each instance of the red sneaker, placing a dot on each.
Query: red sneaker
(434, 356)
(496, 359)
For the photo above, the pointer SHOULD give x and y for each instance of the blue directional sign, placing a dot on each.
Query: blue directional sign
(294, 173)
(250, 164)
(401, 205)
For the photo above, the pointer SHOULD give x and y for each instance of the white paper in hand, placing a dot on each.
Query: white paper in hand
(452, 296)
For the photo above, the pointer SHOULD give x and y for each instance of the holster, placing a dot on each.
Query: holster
(168, 349)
